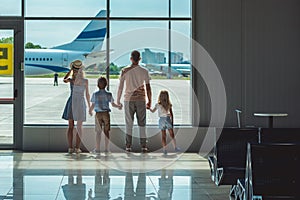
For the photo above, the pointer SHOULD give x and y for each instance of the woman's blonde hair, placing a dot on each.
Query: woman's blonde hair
(164, 100)
(77, 66)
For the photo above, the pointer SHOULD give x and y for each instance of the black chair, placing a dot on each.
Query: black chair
(238, 117)
(270, 136)
(239, 121)
(272, 171)
(279, 135)
(229, 158)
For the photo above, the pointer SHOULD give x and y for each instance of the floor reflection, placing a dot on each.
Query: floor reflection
(165, 190)
(98, 183)
(101, 186)
(74, 189)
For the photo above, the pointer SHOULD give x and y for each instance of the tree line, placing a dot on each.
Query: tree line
(28, 45)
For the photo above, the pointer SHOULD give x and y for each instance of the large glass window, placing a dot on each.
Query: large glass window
(180, 8)
(65, 8)
(138, 8)
(45, 102)
(55, 37)
(10, 7)
(6, 86)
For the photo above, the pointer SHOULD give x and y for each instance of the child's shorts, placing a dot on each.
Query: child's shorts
(102, 122)
(165, 123)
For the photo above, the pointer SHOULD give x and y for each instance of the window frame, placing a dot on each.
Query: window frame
(169, 19)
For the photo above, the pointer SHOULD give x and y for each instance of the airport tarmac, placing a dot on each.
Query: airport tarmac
(44, 103)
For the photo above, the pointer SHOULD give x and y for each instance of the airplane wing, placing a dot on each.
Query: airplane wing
(95, 54)
(95, 58)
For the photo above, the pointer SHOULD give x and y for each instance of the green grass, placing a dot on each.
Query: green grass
(45, 75)
(61, 75)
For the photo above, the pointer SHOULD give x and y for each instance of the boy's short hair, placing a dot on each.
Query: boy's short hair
(135, 55)
(102, 82)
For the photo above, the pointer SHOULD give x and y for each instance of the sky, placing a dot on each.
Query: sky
(53, 33)
(156, 8)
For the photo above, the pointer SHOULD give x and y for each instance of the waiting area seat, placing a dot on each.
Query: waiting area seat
(272, 172)
(271, 136)
(279, 135)
(228, 160)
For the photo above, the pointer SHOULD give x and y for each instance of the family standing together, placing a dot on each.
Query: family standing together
(137, 98)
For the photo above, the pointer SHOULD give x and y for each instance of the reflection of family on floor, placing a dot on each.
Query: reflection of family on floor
(75, 189)
(164, 192)
(101, 186)
(136, 80)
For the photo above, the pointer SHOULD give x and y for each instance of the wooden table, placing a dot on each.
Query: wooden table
(270, 116)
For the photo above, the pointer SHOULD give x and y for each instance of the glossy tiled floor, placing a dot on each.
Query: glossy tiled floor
(43, 176)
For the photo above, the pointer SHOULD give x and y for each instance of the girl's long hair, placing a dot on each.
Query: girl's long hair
(164, 100)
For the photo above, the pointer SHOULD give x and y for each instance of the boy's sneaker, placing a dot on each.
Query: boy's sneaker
(70, 150)
(96, 152)
(128, 149)
(78, 150)
(177, 149)
(165, 152)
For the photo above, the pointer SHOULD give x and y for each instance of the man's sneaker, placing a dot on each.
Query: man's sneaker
(96, 152)
(177, 149)
(107, 152)
(70, 150)
(78, 150)
(128, 149)
(145, 150)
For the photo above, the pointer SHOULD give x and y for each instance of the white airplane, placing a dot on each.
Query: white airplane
(176, 69)
(86, 47)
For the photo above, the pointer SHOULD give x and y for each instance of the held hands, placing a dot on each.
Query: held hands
(120, 106)
(91, 111)
(117, 105)
(148, 105)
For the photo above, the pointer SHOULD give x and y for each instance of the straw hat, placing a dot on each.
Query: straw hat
(76, 64)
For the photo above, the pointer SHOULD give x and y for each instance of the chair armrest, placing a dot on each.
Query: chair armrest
(240, 189)
(212, 165)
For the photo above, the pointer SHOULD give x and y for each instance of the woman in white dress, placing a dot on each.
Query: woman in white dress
(75, 109)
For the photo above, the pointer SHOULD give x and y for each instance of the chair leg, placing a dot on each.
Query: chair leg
(231, 193)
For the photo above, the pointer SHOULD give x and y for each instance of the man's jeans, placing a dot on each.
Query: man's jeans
(138, 107)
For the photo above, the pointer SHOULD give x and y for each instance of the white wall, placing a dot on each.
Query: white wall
(53, 138)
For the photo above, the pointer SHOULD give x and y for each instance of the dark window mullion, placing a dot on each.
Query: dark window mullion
(107, 42)
(169, 41)
(150, 18)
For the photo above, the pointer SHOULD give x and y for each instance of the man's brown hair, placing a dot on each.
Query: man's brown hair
(136, 56)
